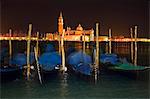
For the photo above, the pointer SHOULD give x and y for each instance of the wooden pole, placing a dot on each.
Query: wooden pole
(84, 42)
(109, 41)
(106, 46)
(63, 52)
(28, 50)
(135, 37)
(131, 30)
(37, 64)
(10, 46)
(59, 41)
(97, 51)
(37, 44)
(97, 44)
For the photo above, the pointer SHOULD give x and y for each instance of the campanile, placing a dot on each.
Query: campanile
(60, 24)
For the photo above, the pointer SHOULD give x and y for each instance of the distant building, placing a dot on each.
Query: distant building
(77, 34)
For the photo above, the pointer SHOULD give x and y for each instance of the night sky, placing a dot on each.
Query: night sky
(119, 15)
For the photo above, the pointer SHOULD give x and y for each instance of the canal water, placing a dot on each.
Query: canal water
(109, 85)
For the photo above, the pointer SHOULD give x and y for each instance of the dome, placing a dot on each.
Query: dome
(79, 28)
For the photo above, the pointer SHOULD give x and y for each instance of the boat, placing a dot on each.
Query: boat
(70, 50)
(126, 67)
(9, 73)
(80, 63)
(50, 60)
(20, 59)
(109, 59)
(131, 70)
(49, 48)
(113, 63)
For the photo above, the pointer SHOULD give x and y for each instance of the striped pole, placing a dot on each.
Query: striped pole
(37, 64)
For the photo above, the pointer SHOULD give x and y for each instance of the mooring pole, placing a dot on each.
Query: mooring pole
(83, 42)
(97, 44)
(106, 47)
(63, 52)
(109, 41)
(59, 43)
(37, 64)
(28, 51)
(37, 44)
(135, 37)
(131, 31)
(97, 52)
(10, 45)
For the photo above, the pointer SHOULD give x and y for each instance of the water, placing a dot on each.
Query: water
(109, 85)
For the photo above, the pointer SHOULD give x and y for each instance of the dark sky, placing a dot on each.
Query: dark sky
(119, 15)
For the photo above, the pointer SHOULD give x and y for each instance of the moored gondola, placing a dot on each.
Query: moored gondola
(113, 63)
(80, 63)
(49, 61)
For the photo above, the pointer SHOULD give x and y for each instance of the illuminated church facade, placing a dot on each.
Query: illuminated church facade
(78, 34)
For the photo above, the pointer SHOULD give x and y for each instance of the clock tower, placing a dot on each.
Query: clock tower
(60, 24)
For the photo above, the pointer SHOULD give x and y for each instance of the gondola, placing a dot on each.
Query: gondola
(20, 59)
(49, 61)
(110, 59)
(80, 63)
(115, 63)
(9, 73)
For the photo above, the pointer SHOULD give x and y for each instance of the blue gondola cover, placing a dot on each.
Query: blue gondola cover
(20, 59)
(49, 48)
(78, 57)
(109, 58)
(48, 61)
(80, 62)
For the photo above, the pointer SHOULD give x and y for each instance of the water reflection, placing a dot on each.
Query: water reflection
(63, 85)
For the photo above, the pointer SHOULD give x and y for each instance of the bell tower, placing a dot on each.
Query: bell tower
(60, 24)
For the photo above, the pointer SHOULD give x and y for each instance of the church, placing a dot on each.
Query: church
(78, 34)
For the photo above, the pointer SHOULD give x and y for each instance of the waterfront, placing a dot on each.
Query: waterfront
(107, 26)
(109, 85)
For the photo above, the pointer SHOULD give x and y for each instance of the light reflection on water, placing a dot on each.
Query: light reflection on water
(108, 86)
(70, 86)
